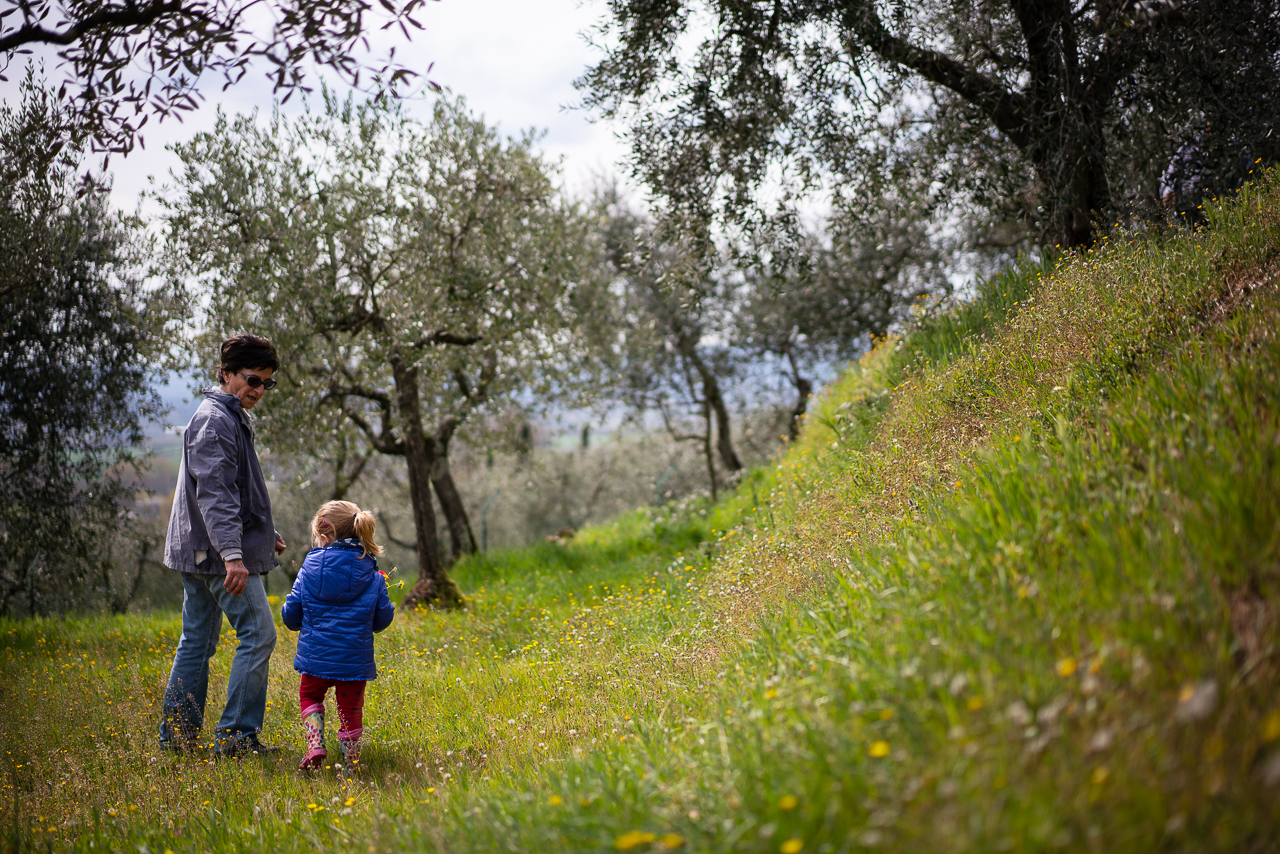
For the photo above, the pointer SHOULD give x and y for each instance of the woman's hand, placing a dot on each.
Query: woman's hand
(237, 576)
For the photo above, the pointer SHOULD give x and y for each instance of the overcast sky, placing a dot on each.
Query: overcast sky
(514, 60)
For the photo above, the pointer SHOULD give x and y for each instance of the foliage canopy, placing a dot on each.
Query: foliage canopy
(412, 274)
(178, 42)
(78, 336)
(1021, 117)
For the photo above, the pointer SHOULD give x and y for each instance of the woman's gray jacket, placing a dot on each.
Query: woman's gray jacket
(221, 509)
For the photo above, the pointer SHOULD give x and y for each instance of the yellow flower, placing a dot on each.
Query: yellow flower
(786, 803)
(1271, 727)
(1066, 666)
(975, 703)
(671, 840)
(555, 800)
(886, 714)
(631, 839)
(349, 801)
(792, 846)
(878, 750)
(770, 694)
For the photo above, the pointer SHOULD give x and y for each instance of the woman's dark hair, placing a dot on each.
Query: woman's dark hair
(247, 351)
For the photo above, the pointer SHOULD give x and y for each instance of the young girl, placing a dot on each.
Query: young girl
(338, 600)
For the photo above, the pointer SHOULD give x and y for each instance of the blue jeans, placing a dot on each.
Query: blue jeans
(204, 602)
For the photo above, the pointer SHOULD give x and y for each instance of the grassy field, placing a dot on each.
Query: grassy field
(1014, 589)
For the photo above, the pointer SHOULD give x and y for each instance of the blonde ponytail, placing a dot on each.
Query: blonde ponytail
(340, 520)
(364, 527)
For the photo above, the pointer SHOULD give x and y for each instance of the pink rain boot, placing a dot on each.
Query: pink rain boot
(313, 723)
(349, 742)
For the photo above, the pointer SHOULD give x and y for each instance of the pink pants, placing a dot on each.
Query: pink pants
(350, 697)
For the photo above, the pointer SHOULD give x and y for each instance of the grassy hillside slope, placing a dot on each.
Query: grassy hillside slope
(1015, 589)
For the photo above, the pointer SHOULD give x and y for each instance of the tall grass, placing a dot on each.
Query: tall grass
(1014, 589)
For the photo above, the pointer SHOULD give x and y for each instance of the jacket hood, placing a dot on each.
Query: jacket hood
(341, 574)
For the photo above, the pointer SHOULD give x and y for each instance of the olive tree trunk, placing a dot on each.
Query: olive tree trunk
(434, 586)
(461, 540)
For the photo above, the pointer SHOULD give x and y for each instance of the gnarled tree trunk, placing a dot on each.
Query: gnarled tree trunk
(804, 388)
(461, 540)
(434, 586)
(715, 399)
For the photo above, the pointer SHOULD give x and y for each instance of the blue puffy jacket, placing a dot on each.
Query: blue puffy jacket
(338, 600)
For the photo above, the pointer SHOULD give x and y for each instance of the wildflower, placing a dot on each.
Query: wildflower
(632, 838)
(878, 750)
(1066, 666)
(792, 846)
(671, 840)
(787, 803)
(1271, 727)
(555, 800)
(1196, 700)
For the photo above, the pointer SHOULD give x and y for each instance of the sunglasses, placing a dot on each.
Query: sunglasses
(255, 381)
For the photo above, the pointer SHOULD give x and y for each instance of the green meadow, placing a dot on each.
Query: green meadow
(1016, 588)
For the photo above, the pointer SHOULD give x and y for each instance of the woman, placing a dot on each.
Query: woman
(222, 539)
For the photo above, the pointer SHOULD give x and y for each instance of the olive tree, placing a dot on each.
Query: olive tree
(129, 60)
(412, 274)
(838, 284)
(694, 324)
(1044, 114)
(79, 341)
(667, 307)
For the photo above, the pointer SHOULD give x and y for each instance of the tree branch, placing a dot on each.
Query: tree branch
(670, 428)
(131, 16)
(1007, 110)
(386, 527)
(358, 390)
(447, 428)
(440, 336)
(381, 440)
